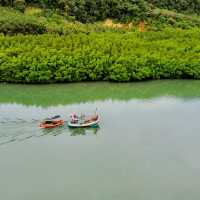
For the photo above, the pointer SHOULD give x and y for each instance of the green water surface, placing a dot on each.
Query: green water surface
(46, 95)
(146, 147)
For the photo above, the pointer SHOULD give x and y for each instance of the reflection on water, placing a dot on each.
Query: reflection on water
(15, 136)
(71, 131)
(84, 131)
(64, 94)
(142, 150)
(19, 122)
(16, 131)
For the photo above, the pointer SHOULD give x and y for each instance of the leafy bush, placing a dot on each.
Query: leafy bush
(103, 56)
(94, 10)
(161, 18)
(38, 21)
(13, 22)
(19, 5)
(190, 6)
(91, 10)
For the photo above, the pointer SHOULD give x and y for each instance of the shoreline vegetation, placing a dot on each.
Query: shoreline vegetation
(45, 43)
(131, 56)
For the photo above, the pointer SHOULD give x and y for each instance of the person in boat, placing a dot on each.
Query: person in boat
(74, 118)
(49, 122)
(52, 120)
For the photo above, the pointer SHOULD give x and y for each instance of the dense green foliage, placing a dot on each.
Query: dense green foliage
(190, 6)
(38, 21)
(96, 52)
(12, 22)
(90, 10)
(161, 18)
(105, 56)
(94, 10)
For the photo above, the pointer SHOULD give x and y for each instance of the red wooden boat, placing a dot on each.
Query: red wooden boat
(52, 123)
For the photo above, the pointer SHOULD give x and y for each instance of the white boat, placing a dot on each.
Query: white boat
(79, 122)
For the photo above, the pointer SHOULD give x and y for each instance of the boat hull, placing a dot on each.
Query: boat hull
(91, 124)
(57, 124)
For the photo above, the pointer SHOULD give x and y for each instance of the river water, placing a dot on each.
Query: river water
(146, 147)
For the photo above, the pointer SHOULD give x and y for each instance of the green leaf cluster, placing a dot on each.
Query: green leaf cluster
(186, 6)
(14, 22)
